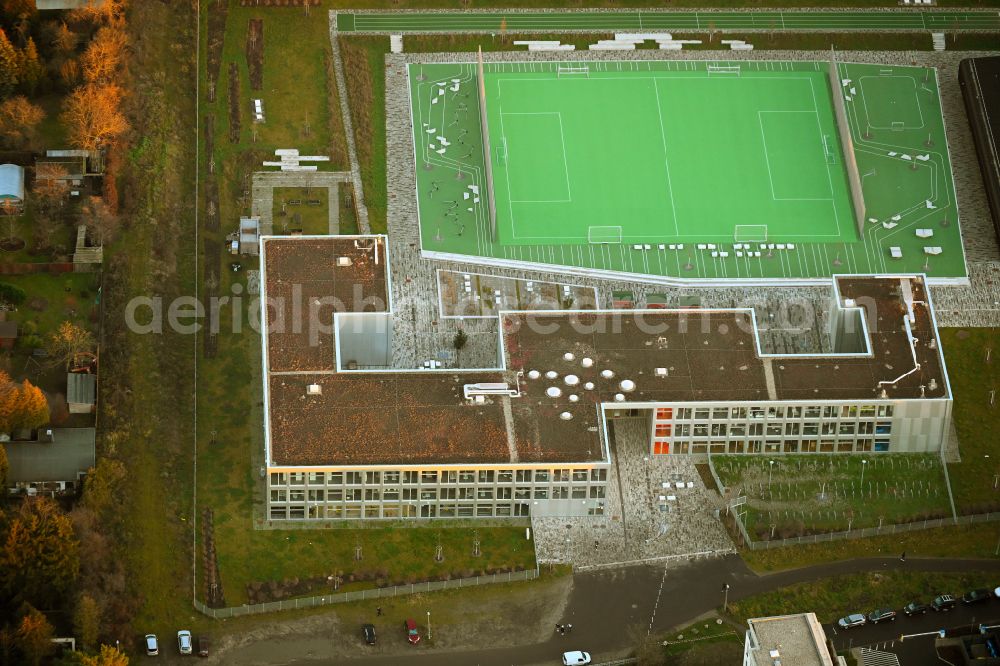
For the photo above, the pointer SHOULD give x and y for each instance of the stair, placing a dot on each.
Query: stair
(939, 42)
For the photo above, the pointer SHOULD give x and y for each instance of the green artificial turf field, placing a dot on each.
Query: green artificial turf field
(686, 169)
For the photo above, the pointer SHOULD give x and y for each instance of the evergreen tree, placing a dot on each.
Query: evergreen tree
(34, 636)
(31, 68)
(87, 621)
(9, 65)
(39, 554)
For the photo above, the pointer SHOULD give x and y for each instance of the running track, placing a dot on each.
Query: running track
(550, 21)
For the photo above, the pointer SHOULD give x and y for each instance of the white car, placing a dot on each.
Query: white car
(152, 647)
(576, 658)
(184, 641)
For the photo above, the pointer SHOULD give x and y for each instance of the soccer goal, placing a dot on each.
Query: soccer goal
(597, 235)
(733, 70)
(750, 233)
(573, 70)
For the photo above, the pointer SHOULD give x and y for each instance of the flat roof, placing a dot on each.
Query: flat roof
(320, 415)
(70, 452)
(798, 640)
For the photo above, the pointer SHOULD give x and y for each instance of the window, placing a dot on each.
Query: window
(505, 476)
(809, 446)
(446, 510)
(830, 412)
(738, 430)
(792, 428)
(757, 429)
(316, 478)
(736, 447)
(353, 494)
(449, 493)
(598, 475)
(812, 412)
(296, 495)
(701, 412)
(791, 446)
(753, 446)
(867, 411)
(390, 494)
(684, 413)
(683, 430)
(371, 512)
(596, 492)
(795, 412)
(390, 477)
(579, 475)
(297, 478)
(541, 493)
(279, 495)
(866, 428)
(428, 477)
(541, 476)
(449, 476)
(885, 410)
(663, 430)
(560, 476)
(484, 510)
(503, 493)
(522, 493)
(297, 512)
(810, 428)
(560, 492)
(756, 412)
(849, 411)
(773, 429)
(486, 476)
(881, 445)
(503, 510)
(845, 445)
(524, 476)
(464, 510)
(336, 478)
(466, 476)
(372, 494)
(664, 413)
(353, 478)
(718, 430)
(373, 478)
(772, 446)
(701, 430)
(826, 446)
(316, 495)
(864, 445)
(427, 494)
(738, 413)
(829, 428)
(720, 413)
(484, 494)
(579, 492)
(883, 428)
(335, 495)
(466, 493)
(409, 493)
(410, 476)
(775, 412)
(846, 427)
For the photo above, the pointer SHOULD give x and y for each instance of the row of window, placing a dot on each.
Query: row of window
(761, 446)
(773, 429)
(357, 511)
(775, 412)
(434, 494)
(434, 477)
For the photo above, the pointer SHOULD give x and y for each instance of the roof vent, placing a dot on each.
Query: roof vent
(619, 397)
(344, 261)
(627, 385)
(932, 384)
(565, 416)
(661, 372)
(571, 380)
(568, 356)
(534, 374)
(573, 397)
(553, 391)
(587, 362)
(314, 389)
(589, 386)
(551, 374)
(607, 374)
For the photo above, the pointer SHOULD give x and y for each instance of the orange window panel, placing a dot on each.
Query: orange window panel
(661, 448)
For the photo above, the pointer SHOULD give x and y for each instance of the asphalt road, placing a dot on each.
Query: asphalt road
(606, 608)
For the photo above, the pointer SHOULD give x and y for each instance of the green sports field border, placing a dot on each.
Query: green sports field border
(903, 19)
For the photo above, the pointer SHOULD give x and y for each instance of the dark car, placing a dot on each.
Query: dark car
(975, 596)
(412, 635)
(915, 608)
(945, 602)
(882, 615)
(204, 646)
(368, 631)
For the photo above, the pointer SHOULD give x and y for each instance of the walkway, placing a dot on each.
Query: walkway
(262, 194)
(551, 21)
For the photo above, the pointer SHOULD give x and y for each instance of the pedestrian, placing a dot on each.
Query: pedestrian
(559, 627)
(378, 610)
(569, 628)
(902, 558)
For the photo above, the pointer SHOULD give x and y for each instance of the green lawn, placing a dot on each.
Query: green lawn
(976, 541)
(974, 480)
(832, 598)
(809, 494)
(302, 216)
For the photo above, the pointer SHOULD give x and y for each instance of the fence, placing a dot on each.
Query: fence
(861, 533)
(363, 595)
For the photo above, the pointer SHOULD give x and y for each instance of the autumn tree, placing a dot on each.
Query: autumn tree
(30, 68)
(39, 560)
(69, 343)
(100, 220)
(87, 621)
(24, 8)
(4, 469)
(9, 61)
(92, 115)
(62, 40)
(103, 483)
(108, 656)
(18, 120)
(21, 405)
(34, 636)
(103, 55)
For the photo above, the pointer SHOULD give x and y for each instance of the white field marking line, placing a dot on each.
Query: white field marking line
(829, 177)
(864, 100)
(562, 137)
(506, 171)
(666, 160)
(767, 160)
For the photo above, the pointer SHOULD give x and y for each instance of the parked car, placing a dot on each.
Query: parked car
(975, 596)
(152, 647)
(184, 641)
(575, 658)
(204, 646)
(368, 631)
(852, 620)
(915, 608)
(412, 635)
(944, 602)
(882, 615)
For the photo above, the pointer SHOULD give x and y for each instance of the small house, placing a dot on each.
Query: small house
(52, 464)
(43, 5)
(8, 334)
(250, 236)
(11, 189)
(81, 392)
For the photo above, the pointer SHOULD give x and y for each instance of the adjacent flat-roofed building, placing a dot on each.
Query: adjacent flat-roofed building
(11, 189)
(786, 640)
(350, 434)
